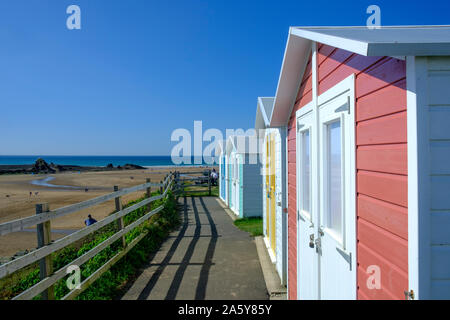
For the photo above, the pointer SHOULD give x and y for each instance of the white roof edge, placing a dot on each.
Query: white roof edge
(414, 43)
(355, 46)
(431, 40)
(292, 61)
(263, 110)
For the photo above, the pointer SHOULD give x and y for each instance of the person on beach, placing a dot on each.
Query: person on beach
(214, 177)
(89, 221)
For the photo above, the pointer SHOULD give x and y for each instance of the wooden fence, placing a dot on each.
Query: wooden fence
(43, 254)
(201, 184)
(178, 182)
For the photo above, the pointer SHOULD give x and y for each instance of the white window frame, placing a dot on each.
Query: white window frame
(300, 114)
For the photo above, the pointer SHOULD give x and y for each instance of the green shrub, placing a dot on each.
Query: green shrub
(108, 286)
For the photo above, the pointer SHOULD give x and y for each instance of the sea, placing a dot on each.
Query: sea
(102, 161)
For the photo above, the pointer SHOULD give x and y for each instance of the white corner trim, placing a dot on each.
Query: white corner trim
(413, 208)
(419, 256)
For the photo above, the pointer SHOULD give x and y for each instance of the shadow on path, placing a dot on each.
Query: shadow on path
(190, 266)
(148, 288)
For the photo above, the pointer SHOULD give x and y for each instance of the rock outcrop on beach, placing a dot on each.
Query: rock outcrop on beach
(40, 166)
(129, 166)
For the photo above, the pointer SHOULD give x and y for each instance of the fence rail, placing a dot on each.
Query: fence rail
(21, 224)
(46, 247)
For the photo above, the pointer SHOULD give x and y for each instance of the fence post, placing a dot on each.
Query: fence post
(209, 182)
(120, 224)
(44, 237)
(161, 188)
(149, 194)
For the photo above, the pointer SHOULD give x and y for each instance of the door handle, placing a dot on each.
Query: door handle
(311, 240)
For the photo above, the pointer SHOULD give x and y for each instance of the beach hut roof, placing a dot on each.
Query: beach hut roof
(263, 112)
(220, 147)
(397, 41)
(243, 144)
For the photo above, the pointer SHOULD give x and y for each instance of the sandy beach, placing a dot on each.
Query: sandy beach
(16, 201)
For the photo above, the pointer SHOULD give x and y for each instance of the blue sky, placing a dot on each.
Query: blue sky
(138, 69)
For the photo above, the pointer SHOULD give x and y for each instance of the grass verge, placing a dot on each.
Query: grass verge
(254, 226)
(193, 191)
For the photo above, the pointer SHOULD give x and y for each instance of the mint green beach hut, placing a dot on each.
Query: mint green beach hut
(243, 177)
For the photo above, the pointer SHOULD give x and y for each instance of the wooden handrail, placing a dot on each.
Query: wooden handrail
(61, 273)
(46, 250)
(21, 224)
(171, 182)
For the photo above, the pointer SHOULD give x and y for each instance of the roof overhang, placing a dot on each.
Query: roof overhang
(263, 112)
(294, 62)
(384, 41)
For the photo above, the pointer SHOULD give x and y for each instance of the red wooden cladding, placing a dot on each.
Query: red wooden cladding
(324, 52)
(362, 296)
(335, 60)
(291, 123)
(291, 156)
(304, 100)
(380, 75)
(305, 87)
(392, 277)
(382, 130)
(387, 100)
(356, 64)
(381, 157)
(291, 168)
(304, 97)
(383, 186)
(385, 215)
(389, 246)
(291, 133)
(291, 179)
(388, 158)
(364, 293)
(291, 145)
(308, 70)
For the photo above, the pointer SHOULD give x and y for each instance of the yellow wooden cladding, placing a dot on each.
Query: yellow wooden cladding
(270, 191)
(272, 194)
(267, 190)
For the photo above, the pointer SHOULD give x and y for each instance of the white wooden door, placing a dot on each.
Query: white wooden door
(326, 196)
(237, 184)
(307, 218)
(337, 227)
(233, 181)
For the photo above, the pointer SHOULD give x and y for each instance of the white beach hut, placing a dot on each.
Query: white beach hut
(273, 156)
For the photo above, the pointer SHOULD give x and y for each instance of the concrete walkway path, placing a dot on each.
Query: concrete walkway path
(207, 258)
